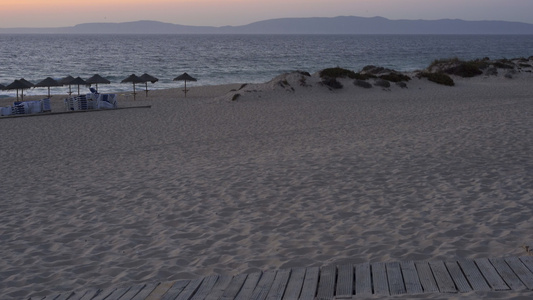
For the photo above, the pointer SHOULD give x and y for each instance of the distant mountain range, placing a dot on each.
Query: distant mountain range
(336, 25)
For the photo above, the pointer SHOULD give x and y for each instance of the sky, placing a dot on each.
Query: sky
(61, 13)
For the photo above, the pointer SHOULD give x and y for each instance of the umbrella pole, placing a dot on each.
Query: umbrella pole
(69, 90)
(48, 92)
(185, 89)
(146, 88)
(17, 94)
(134, 94)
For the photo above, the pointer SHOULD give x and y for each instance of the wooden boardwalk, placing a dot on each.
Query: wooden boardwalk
(336, 282)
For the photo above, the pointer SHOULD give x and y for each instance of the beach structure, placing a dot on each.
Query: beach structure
(66, 81)
(148, 78)
(48, 82)
(19, 84)
(78, 81)
(185, 77)
(133, 79)
(97, 79)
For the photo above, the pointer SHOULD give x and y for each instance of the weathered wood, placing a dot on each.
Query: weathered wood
(345, 282)
(147, 290)
(189, 290)
(395, 278)
(426, 277)
(64, 296)
(458, 277)
(379, 279)
(363, 279)
(326, 285)
(104, 294)
(118, 293)
(87, 295)
(279, 285)
(160, 290)
(527, 261)
(134, 290)
(235, 286)
(310, 284)
(491, 275)
(175, 290)
(296, 281)
(410, 277)
(525, 275)
(263, 286)
(474, 276)
(507, 274)
(220, 286)
(442, 277)
(248, 287)
(205, 287)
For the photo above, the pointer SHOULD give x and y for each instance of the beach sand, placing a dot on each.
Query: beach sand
(285, 176)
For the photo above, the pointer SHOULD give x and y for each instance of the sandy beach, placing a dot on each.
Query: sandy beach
(290, 174)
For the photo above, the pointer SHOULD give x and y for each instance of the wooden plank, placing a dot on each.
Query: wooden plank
(147, 290)
(263, 286)
(104, 294)
(173, 292)
(189, 290)
(64, 296)
(442, 277)
(527, 261)
(410, 278)
(279, 285)
(310, 285)
(491, 275)
(379, 279)
(207, 285)
(118, 293)
(220, 286)
(426, 277)
(234, 287)
(473, 275)
(458, 277)
(363, 279)
(296, 281)
(160, 290)
(87, 295)
(326, 284)
(248, 287)
(525, 275)
(132, 291)
(395, 278)
(507, 274)
(345, 282)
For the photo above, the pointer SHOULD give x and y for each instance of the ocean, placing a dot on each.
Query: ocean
(222, 59)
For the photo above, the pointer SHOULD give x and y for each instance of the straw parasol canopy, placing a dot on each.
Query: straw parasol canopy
(66, 81)
(147, 77)
(78, 81)
(133, 79)
(19, 84)
(48, 82)
(2, 86)
(185, 77)
(96, 79)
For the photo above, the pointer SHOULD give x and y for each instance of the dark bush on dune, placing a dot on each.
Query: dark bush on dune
(362, 83)
(332, 83)
(395, 77)
(438, 77)
(337, 73)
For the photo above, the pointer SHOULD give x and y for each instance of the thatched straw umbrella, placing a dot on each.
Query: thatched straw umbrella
(96, 79)
(185, 77)
(48, 82)
(133, 79)
(147, 77)
(19, 84)
(78, 81)
(66, 81)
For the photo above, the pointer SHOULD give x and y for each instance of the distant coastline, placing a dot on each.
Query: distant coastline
(336, 25)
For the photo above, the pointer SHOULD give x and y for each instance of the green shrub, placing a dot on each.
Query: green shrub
(235, 97)
(395, 77)
(337, 73)
(365, 76)
(439, 77)
(332, 83)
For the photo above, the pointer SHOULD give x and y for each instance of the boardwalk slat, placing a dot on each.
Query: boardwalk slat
(248, 287)
(426, 277)
(507, 274)
(147, 290)
(363, 280)
(379, 279)
(189, 290)
(279, 285)
(310, 283)
(175, 290)
(118, 293)
(64, 296)
(219, 288)
(134, 290)
(525, 275)
(410, 277)
(491, 275)
(442, 277)
(395, 278)
(458, 277)
(345, 282)
(207, 285)
(296, 281)
(104, 294)
(160, 290)
(235, 286)
(87, 295)
(263, 286)
(527, 261)
(326, 285)
(474, 276)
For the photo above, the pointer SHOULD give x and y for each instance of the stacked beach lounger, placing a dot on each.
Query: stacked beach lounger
(91, 101)
(27, 107)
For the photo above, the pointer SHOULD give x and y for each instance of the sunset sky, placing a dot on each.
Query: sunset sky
(58, 13)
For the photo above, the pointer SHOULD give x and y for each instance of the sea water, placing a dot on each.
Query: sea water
(222, 59)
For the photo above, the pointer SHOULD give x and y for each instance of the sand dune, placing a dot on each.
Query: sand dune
(278, 178)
